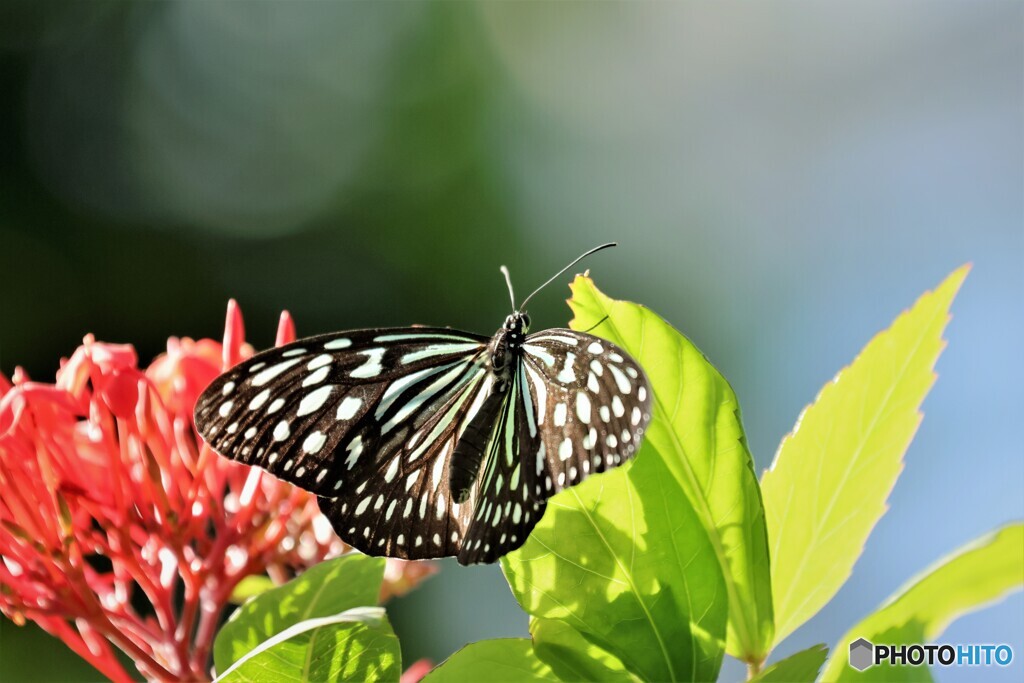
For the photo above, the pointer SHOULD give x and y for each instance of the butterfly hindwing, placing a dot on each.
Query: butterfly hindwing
(403, 507)
(592, 405)
(505, 507)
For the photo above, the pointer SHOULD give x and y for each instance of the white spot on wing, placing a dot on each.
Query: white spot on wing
(617, 406)
(314, 442)
(348, 407)
(531, 416)
(281, 431)
(336, 344)
(363, 504)
(621, 381)
(542, 392)
(320, 361)
(259, 399)
(565, 450)
(570, 341)
(225, 408)
(372, 366)
(317, 377)
(392, 470)
(561, 411)
(435, 474)
(314, 400)
(438, 350)
(273, 371)
(583, 407)
(568, 373)
(355, 448)
(538, 352)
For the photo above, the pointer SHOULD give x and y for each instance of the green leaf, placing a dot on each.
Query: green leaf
(801, 667)
(250, 587)
(828, 485)
(572, 657)
(505, 659)
(623, 559)
(356, 645)
(696, 428)
(325, 590)
(977, 574)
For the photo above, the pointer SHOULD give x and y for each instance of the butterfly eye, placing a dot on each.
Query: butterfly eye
(526, 322)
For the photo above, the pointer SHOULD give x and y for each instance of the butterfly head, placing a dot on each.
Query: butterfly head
(506, 345)
(517, 325)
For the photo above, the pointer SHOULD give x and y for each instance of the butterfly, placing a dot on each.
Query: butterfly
(425, 442)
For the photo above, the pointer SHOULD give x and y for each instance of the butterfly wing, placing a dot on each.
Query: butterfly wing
(327, 412)
(402, 507)
(591, 403)
(505, 507)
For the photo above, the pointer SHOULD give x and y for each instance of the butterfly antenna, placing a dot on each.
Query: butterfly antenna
(575, 261)
(594, 326)
(508, 281)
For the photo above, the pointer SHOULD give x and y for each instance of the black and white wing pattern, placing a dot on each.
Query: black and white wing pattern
(410, 512)
(592, 405)
(332, 412)
(370, 420)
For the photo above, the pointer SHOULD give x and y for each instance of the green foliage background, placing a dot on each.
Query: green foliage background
(782, 182)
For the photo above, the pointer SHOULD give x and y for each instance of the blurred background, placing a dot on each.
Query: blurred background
(784, 178)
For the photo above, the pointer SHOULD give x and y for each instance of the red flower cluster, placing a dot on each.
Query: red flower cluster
(119, 527)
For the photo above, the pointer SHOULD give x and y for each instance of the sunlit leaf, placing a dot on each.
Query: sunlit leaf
(250, 587)
(802, 667)
(356, 645)
(572, 657)
(976, 575)
(505, 659)
(696, 428)
(828, 485)
(327, 589)
(623, 559)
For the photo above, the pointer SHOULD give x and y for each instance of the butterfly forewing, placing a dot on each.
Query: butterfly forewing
(322, 411)
(591, 402)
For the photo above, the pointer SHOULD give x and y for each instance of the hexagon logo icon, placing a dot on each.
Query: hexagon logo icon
(862, 654)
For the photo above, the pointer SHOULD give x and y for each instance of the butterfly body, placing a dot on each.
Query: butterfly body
(427, 442)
